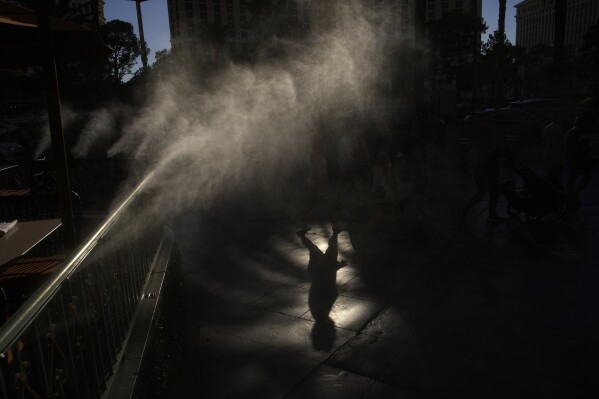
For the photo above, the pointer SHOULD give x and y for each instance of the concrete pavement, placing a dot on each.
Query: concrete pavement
(450, 311)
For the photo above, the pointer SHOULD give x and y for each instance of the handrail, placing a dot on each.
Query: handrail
(24, 316)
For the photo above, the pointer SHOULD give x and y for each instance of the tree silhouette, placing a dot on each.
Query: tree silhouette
(501, 57)
(456, 40)
(500, 39)
(119, 36)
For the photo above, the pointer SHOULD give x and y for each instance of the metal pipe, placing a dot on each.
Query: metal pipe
(55, 122)
(140, 23)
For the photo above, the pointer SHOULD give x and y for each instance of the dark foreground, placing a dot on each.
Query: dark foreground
(448, 310)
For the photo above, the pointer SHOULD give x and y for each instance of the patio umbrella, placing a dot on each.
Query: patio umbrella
(29, 38)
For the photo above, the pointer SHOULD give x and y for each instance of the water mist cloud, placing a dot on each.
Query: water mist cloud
(100, 126)
(251, 126)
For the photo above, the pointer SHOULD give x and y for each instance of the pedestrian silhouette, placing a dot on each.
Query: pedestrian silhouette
(578, 156)
(319, 190)
(486, 174)
(554, 154)
(322, 269)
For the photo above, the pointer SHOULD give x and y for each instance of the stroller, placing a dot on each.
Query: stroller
(536, 197)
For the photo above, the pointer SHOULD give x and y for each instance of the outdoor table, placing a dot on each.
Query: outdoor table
(13, 192)
(23, 237)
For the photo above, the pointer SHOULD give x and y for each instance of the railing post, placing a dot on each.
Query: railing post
(55, 121)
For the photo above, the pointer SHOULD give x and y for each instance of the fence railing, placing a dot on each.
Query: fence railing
(95, 181)
(66, 340)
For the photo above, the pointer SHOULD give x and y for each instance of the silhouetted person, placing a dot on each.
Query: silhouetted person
(418, 147)
(486, 174)
(322, 269)
(554, 153)
(580, 163)
(382, 196)
(354, 160)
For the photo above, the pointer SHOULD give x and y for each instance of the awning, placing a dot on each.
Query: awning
(20, 44)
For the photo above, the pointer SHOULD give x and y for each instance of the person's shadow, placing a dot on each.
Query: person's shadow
(322, 269)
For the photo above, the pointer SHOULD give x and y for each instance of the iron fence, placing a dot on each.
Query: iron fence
(66, 340)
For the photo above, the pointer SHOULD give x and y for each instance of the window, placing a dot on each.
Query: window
(203, 10)
(242, 13)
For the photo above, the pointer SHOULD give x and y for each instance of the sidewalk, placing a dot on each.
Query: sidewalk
(485, 311)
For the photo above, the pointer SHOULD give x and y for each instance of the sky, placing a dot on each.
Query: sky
(156, 31)
(155, 21)
(491, 16)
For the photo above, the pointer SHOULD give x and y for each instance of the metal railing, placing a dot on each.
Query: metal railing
(96, 181)
(66, 340)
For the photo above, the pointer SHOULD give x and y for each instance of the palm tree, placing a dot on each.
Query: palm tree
(501, 24)
(559, 50)
(500, 83)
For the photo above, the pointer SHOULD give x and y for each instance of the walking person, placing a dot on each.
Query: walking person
(578, 156)
(319, 190)
(486, 174)
(382, 196)
(554, 152)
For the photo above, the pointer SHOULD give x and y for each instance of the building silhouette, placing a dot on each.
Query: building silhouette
(207, 29)
(535, 22)
(89, 13)
(435, 9)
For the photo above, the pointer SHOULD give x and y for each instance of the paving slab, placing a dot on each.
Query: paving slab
(454, 310)
(438, 374)
(332, 383)
(569, 360)
(228, 366)
(367, 355)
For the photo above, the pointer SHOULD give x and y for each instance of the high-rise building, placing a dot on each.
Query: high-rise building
(435, 9)
(535, 22)
(90, 12)
(204, 28)
(198, 27)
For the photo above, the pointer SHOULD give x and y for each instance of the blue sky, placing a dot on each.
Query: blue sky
(155, 19)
